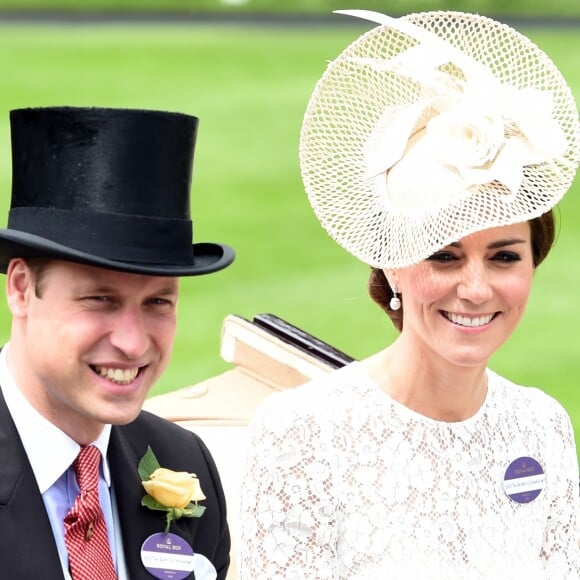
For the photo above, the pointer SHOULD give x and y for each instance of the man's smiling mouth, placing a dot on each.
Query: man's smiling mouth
(117, 375)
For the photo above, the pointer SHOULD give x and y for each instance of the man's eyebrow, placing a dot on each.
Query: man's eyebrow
(105, 289)
(167, 291)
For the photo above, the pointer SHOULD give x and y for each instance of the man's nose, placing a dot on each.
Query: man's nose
(130, 334)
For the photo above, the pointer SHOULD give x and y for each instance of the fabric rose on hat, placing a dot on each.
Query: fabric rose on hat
(466, 137)
(474, 128)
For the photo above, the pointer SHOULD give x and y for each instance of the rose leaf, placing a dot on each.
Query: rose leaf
(150, 503)
(148, 464)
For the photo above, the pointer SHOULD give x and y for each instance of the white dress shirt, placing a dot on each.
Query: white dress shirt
(51, 454)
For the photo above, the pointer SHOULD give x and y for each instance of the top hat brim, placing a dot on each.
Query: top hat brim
(208, 257)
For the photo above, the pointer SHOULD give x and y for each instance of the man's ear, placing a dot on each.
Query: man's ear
(19, 287)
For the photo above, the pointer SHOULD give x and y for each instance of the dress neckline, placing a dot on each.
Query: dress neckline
(405, 411)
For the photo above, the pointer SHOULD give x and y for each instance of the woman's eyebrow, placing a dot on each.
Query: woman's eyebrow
(494, 245)
(508, 242)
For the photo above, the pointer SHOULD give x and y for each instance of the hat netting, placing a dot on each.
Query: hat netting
(345, 112)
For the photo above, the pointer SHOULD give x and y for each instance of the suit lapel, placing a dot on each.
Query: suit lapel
(27, 549)
(137, 523)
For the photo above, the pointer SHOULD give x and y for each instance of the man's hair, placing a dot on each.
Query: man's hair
(38, 268)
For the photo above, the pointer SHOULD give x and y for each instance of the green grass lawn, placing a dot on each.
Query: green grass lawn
(522, 7)
(250, 86)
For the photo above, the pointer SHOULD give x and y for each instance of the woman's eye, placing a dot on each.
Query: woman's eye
(507, 257)
(442, 257)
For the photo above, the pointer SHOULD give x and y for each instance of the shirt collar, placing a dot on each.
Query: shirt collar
(50, 451)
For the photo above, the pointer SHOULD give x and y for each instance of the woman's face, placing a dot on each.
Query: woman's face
(464, 301)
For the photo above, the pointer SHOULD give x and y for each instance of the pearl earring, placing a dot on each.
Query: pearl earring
(395, 302)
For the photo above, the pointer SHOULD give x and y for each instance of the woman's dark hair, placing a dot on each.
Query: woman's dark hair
(543, 233)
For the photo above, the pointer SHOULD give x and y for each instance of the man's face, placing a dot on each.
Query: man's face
(87, 351)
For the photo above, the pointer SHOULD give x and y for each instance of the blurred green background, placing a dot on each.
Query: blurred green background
(249, 82)
(519, 7)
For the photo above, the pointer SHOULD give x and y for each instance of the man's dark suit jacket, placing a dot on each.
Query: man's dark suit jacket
(27, 547)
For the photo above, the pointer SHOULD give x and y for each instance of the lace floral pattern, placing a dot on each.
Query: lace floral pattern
(343, 482)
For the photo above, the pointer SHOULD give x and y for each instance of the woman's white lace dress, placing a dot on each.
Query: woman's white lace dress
(343, 482)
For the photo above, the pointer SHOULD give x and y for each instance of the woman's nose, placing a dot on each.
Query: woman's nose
(475, 285)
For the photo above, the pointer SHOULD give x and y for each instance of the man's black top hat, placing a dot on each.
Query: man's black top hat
(106, 187)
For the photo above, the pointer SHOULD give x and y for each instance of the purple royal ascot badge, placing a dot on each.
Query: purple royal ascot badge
(167, 557)
(524, 479)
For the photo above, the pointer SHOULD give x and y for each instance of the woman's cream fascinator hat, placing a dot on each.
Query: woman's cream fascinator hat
(431, 127)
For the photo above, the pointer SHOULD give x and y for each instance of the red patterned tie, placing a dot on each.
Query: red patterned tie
(85, 527)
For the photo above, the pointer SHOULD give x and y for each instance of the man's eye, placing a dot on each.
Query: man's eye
(98, 298)
(161, 302)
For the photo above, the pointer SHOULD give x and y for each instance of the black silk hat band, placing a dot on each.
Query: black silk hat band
(152, 239)
(108, 187)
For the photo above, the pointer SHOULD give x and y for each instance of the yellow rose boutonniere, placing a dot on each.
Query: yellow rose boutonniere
(175, 492)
